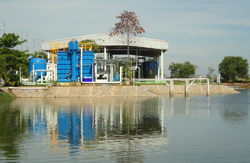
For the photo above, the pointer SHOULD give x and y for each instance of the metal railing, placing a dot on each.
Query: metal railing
(55, 47)
(171, 82)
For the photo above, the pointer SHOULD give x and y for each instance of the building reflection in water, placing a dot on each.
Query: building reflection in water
(124, 127)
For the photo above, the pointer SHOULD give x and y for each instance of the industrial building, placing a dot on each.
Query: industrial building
(69, 60)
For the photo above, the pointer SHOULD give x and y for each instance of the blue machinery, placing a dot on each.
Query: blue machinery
(36, 66)
(78, 64)
(73, 64)
(40, 70)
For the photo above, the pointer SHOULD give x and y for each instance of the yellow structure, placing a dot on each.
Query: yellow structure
(54, 47)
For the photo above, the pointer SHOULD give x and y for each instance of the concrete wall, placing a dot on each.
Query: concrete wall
(83, 91)
(193, 89)
(112, 91)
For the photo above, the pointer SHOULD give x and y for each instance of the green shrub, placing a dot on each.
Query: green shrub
(13, 80)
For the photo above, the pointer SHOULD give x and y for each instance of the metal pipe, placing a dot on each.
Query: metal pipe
(54, 73)
(92, 71)
(48, 54)
(96, 72)
(105, 57)
(161, 65)
(40, 55)
(41, 77)
(102, 82)
(134, 77)
(139, 73)
(120, 74)
(81, 64)
(33, 72)
(177, 79)
(108, 82)
(34, 69)
(110, 74)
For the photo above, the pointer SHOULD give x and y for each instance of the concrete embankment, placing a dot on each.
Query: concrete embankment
(193, 89)
(112, 91)
(81, 91)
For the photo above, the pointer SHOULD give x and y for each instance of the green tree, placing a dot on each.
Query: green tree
(233, 67)
(210, 73)
(39, 55)
(2, 65)
(10, 58)
(95, 47)
(182, 70)
(10, 40)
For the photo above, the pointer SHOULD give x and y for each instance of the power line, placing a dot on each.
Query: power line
(3, 25)
(23, 34)
(37, 44)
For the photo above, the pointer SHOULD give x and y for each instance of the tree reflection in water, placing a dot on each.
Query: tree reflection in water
(13, 129)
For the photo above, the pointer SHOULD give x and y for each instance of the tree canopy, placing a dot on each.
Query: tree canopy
(10, 40)
(10, 58)
(95, 47)
(129, 25)
(39, 55)
(233, 67)
(182, 70)
(210, 73)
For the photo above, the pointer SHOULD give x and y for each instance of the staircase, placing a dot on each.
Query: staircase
(68, 75)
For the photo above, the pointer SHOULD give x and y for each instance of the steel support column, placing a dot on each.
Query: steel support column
(105, 57)
(159, 64)
(162, 64)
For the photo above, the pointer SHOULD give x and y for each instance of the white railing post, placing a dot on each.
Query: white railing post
(161, 64)
(186, 88)
(207, 87)
(171, 88)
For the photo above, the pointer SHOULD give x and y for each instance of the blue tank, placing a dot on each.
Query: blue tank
(149, 65)
(39, 64)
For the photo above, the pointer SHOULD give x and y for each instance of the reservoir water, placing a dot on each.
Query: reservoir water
(200, 128)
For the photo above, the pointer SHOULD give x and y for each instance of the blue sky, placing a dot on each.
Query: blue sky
(200, 31)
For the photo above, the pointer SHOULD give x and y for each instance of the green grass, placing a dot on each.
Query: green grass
(179, 82)
(6, 97)
(163, 83)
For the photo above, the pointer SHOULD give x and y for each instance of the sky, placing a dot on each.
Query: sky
(202, 32)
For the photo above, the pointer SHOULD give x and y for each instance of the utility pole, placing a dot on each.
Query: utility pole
(3, 25)
(37, 45)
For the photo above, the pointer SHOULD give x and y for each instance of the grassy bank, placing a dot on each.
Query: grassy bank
(6, 97)
(239, 85)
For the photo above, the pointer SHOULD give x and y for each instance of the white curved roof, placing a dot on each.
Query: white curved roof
(116, 43)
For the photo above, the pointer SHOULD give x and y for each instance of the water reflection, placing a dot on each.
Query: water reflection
(126, 130)
(124, 127)
(12, 132)
(188, 106)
